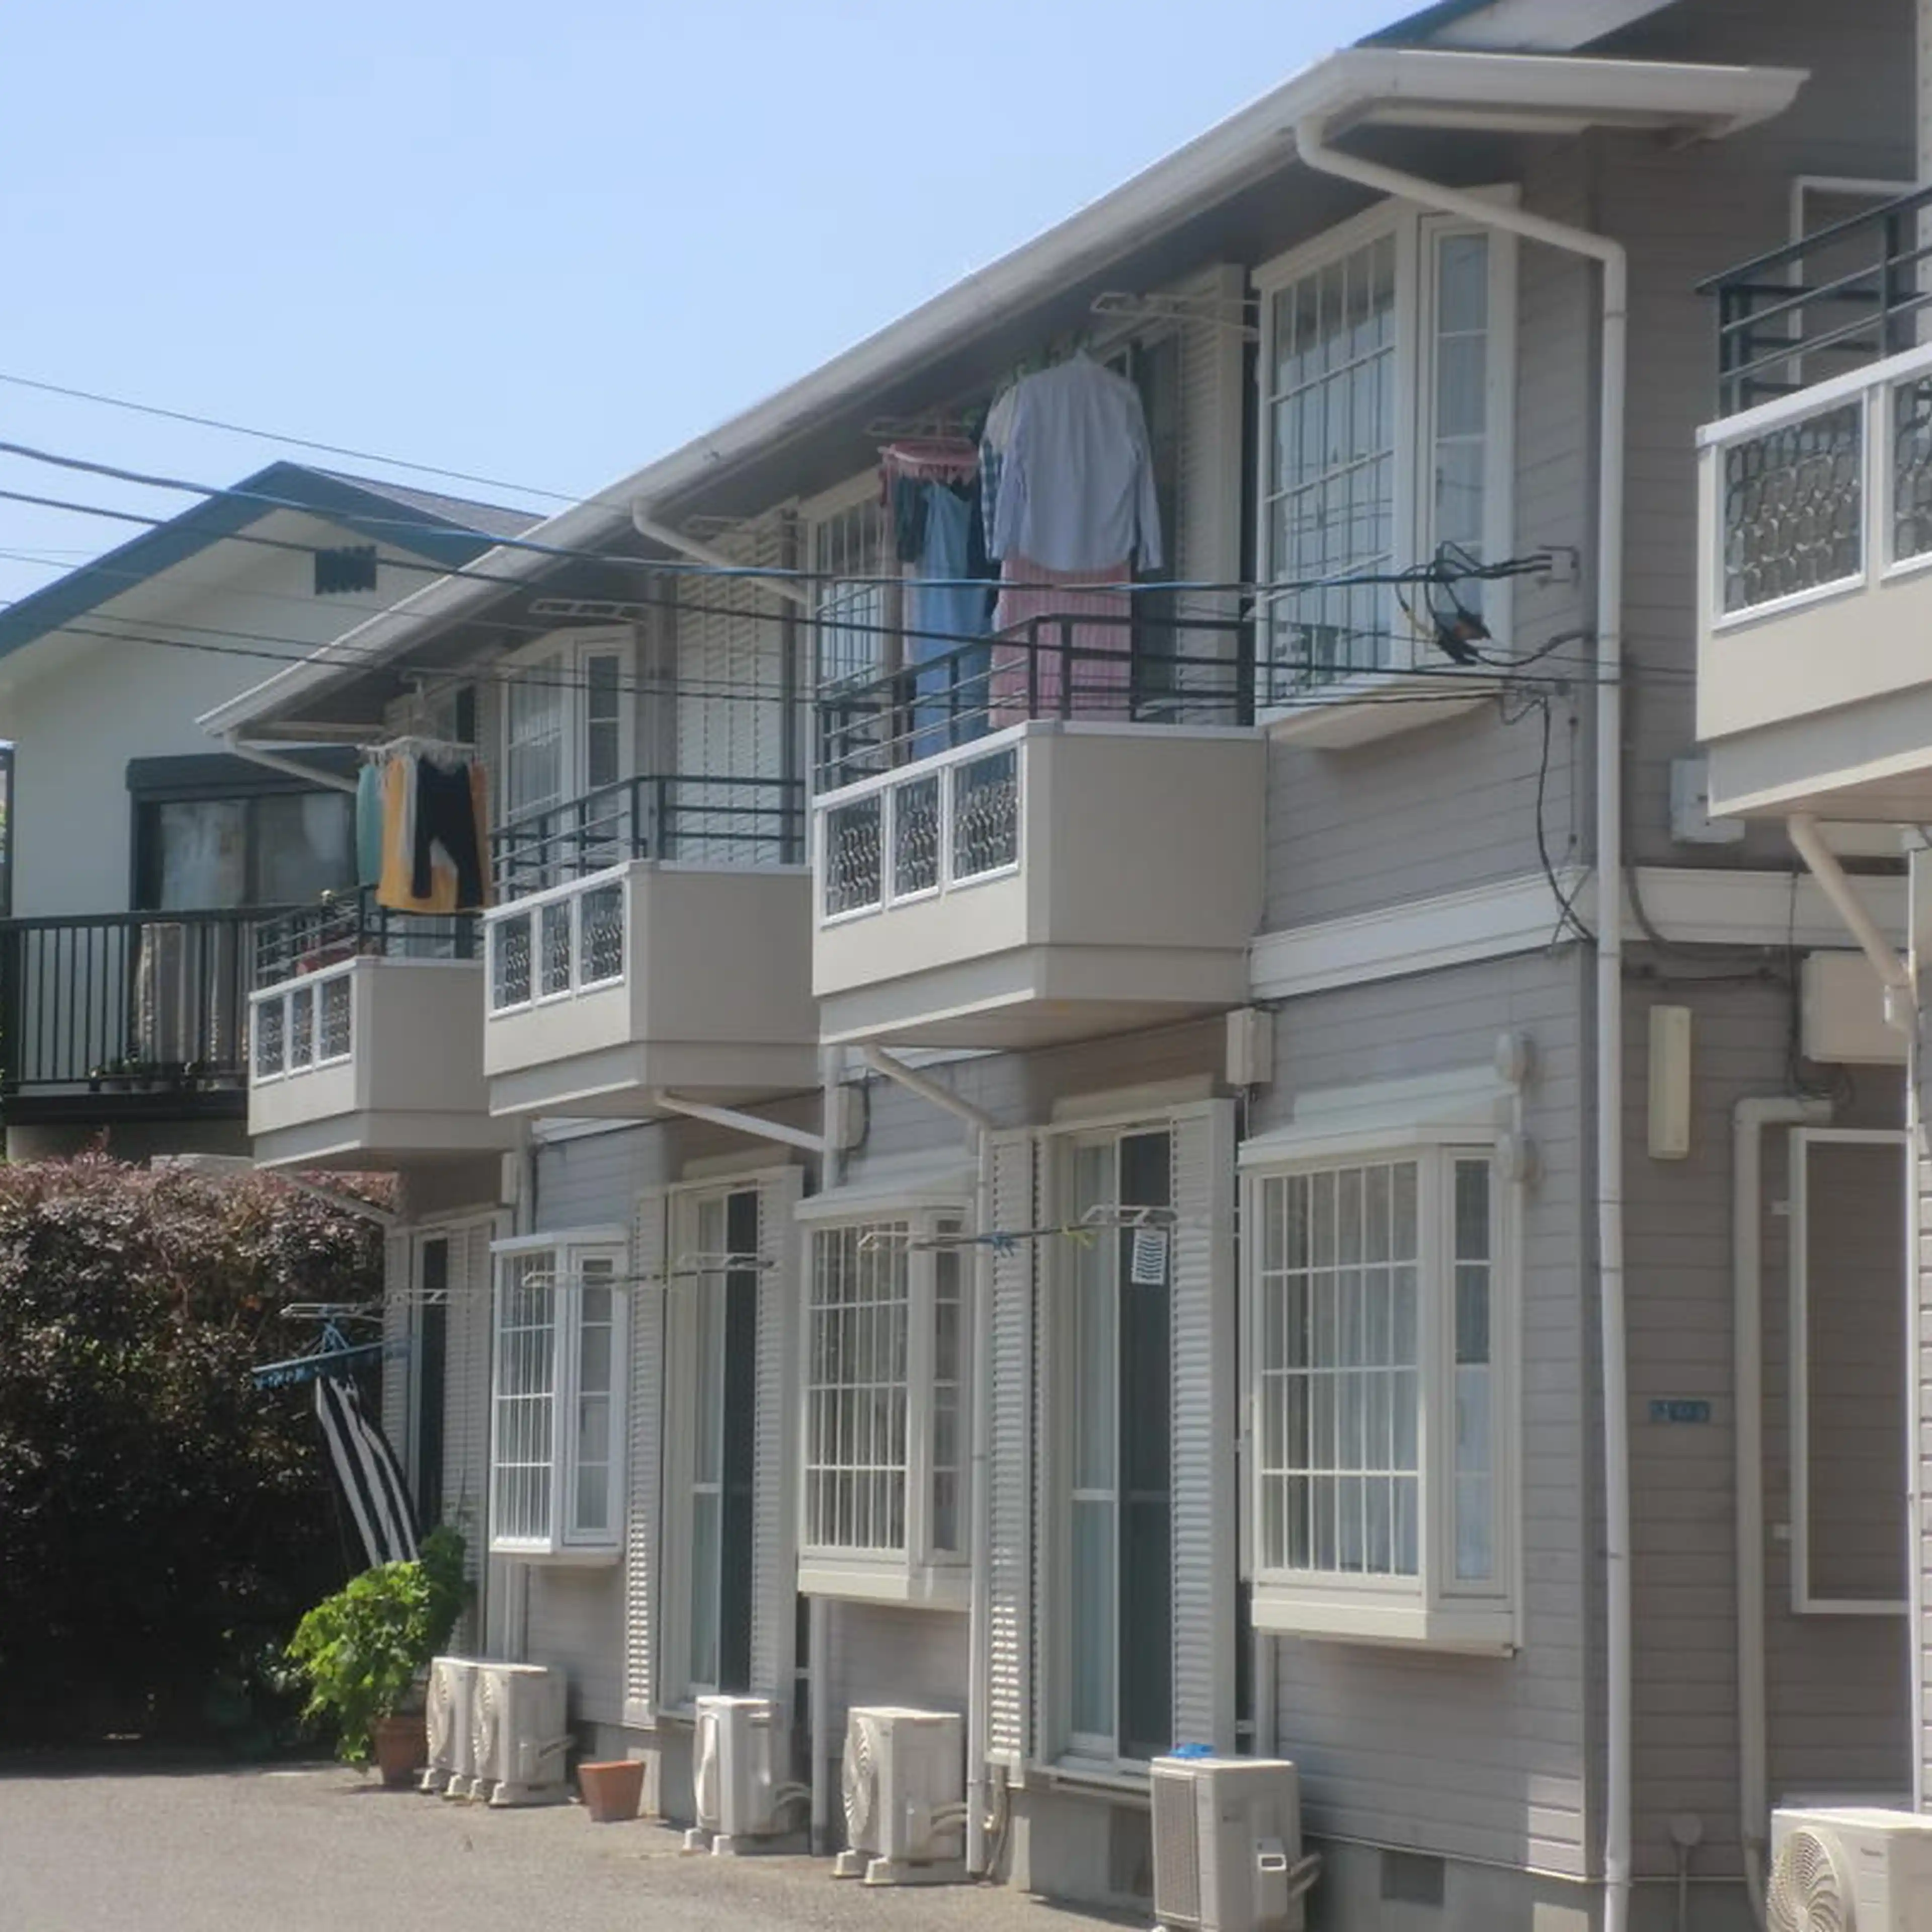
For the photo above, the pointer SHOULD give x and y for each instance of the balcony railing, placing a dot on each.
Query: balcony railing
(154, 1003)
(350, 924)
(1822, 492)
(700, 820)
(1140, 670)
(1840, 297)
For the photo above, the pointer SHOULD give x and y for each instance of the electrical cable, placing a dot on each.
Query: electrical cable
(270, 436)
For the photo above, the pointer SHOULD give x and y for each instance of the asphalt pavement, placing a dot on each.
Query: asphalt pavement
(318, 1849)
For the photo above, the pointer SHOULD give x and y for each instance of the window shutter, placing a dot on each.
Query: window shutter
(1010, 1462)
(645, 1458)
(1205, 546)
(398, 1366)
(731, 715)
(1201, 1264)
(774, 1468)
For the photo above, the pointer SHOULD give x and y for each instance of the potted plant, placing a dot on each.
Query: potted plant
(365, 1652)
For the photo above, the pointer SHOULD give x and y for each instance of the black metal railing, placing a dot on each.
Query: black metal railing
(350, 925)
(1127, 669)
(143, 1002)
(1839, 298)
(755, 821)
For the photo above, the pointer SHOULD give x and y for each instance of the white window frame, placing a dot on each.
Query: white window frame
(1416, 234)
(919, 1574)
(566, 1542)
(1081, 1752)
(1432, 1608)
(817, 515)
(679, 1687)
(1805, 1600)
(573, 649)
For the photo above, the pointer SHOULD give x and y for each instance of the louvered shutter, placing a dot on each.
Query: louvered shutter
(398, 1367)
(1009, 1558)
(645, 1460)
(465, 1439)
(774, 1466)
(1202, 1277)
(731, 716)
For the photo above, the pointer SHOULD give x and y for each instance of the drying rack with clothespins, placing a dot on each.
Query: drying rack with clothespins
(335, 1354)
(445, 752)
(1152, 1229)
(1236, 312)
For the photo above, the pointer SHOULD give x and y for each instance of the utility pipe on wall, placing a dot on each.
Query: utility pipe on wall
(979, 1627)
(647, 525)
(1749, 1119)
(1312, 145)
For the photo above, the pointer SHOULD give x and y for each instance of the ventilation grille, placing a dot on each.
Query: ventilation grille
(1177, 1836)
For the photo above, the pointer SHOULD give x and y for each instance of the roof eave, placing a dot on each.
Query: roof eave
(1555, 94)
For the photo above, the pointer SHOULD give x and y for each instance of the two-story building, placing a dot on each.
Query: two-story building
(140, 861)
(1234, 1161)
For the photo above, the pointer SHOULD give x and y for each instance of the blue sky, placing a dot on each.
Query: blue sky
(543, 244)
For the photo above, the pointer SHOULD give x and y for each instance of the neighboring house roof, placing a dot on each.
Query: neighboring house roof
(450, 531)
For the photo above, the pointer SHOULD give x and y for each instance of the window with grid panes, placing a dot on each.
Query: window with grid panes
(854, 611)
(886, 1404)
(1382, 1443)
(1385, 382)
(556, 1433)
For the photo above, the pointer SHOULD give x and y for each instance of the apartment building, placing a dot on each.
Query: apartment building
(1129, 1179)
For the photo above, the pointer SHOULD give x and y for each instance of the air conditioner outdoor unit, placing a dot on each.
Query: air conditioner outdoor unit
(738, 1760)
(449, 1711)
(904, 1780)
(1227, 1845)
(1857, 1869)
(518, 1734)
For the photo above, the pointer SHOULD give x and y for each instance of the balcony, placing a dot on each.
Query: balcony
(1814, 684)
(652, 937)
(367, 1026)
(110, 1017)
(1067, 845)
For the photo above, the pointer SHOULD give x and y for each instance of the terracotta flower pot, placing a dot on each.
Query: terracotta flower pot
(612, 1790)
(402, 1747)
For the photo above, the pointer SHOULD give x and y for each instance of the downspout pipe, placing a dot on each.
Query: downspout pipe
(979, 1126)
(1749, 1119)
(1311, 144)
(1894, 975)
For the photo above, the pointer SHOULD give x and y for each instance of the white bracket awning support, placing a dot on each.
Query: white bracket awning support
(754, 1124)
(1901, 999)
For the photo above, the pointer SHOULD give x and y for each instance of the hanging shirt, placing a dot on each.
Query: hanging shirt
(1076, 486)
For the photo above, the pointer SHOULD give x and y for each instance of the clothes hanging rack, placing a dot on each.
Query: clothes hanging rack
(1187, 311)
(441, 752)
(1096, 1221)
(335, 1354)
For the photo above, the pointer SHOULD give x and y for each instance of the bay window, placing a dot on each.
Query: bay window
(1387, 372)
(556, 1461)
(1380, 1315)
(884, 1505)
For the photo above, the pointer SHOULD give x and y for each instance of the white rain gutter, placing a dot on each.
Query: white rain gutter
(1257, 140)
(1316, 153)
(1749, 1119)
(738, 1123)
(979, 1126)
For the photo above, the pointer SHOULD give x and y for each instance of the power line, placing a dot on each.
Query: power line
(291, 442)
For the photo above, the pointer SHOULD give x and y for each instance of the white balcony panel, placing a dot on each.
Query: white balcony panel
(1059, 880)
(1814, 676)
(371, 1063)
(652, 976)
